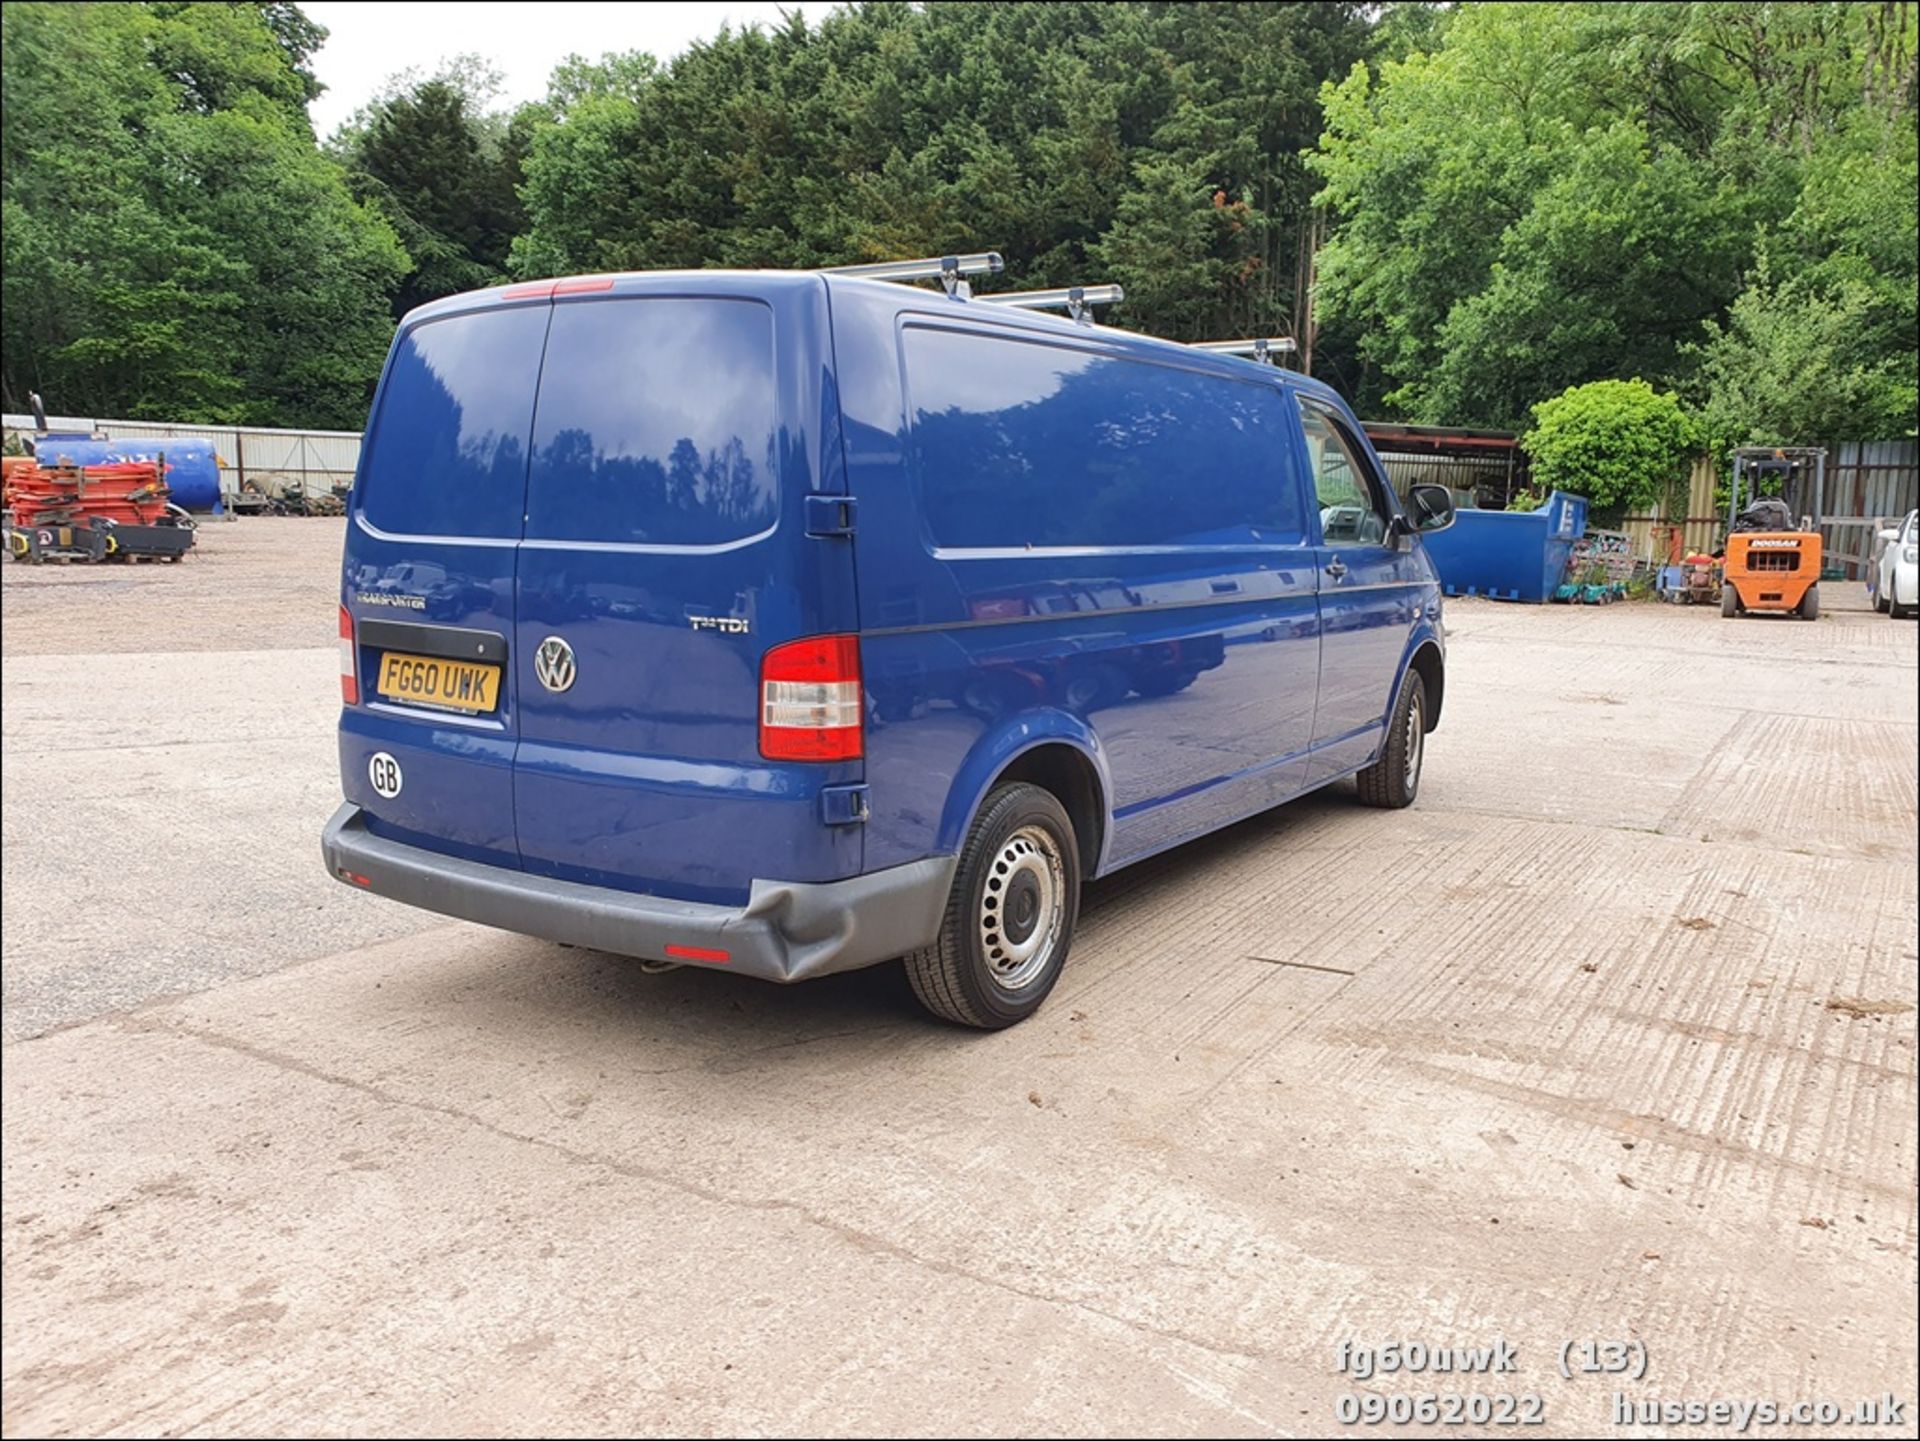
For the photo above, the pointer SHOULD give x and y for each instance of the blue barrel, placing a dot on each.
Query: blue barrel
(193, 470)
(1509, 554)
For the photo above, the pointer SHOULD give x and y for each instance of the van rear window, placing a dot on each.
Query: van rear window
(656, 423)
(447, 449)
(1018, 443)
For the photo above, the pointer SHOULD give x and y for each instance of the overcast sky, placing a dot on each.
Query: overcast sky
(370, 40)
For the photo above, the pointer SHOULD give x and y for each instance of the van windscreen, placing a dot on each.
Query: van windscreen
(447, 448)
(656, 423)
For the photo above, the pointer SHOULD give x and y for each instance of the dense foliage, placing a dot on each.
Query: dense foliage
(1619, 442)
(174, 243)
(444, 169)
(1460, 211)
(1708, 195)
(1156, 145)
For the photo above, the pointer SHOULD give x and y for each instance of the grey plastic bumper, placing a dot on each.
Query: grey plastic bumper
(788, 931)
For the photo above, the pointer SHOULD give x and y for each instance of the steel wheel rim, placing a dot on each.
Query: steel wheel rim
(1024, 896)
(1416, 742)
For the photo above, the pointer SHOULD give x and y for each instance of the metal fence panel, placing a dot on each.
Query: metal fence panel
(1866, 481)
(270, 459)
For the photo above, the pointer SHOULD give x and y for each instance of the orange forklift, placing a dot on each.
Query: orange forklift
(1772, 563)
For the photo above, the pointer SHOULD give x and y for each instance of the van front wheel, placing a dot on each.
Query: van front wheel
(1394, 780)
(1009, 921)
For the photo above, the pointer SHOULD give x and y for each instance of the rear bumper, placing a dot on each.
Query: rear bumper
(787, 931)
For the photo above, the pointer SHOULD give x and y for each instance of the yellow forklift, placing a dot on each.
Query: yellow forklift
(1772, 562)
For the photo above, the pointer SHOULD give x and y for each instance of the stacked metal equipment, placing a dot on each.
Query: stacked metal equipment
(93, 513)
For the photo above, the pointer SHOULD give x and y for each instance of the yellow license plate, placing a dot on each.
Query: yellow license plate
(433, 680)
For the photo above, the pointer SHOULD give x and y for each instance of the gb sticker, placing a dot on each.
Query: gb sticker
(384, 771)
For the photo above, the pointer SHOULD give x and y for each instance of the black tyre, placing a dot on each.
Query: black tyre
(1895, 609)
(1010, 918)
(1091, 689)
(1729, 602)
(1810, 603)
(1394, 780)
(1881, 603)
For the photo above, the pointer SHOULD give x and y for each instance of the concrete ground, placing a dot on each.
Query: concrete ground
(1609, 1039)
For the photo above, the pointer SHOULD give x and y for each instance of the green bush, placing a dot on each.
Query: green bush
(1617, 442)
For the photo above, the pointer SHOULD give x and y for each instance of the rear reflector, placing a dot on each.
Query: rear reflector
(349, 662)
(810, 700)
(697, 953)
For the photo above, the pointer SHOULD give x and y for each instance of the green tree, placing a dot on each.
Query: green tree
(174, 244)
(1552, 194)
(1161, 249)
(1617, 442)
(1069, 136)
(1823, 344)
(104, 298)
(1788, 368)
(431, 155)
(421, 163)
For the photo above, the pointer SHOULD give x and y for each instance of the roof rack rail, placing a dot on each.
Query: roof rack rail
(947, 269)
(1077, 300)
(1267, 349)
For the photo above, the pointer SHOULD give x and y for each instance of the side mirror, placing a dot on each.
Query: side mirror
(1431, 507)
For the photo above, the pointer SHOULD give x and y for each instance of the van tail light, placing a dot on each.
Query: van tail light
(810, 700)
(349, 662)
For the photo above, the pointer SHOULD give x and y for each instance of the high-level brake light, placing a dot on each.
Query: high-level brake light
(547, 289)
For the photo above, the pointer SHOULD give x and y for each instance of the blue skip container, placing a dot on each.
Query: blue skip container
(1509, 554)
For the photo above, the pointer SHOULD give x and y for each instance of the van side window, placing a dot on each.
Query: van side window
(1021, 443)
(1349, 499)
(655, 423)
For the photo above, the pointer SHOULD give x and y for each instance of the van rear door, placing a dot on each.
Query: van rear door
(427, 745)
(682, 425)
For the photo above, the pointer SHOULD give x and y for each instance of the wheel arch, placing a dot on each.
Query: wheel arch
(1054, 750)
(1431, 666)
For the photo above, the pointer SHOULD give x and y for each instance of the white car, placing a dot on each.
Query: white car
(1893, 580)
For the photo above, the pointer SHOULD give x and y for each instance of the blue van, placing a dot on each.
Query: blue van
(793, 622)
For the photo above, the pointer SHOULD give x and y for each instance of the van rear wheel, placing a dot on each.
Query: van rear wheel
(1394, 780)
(1010, 918)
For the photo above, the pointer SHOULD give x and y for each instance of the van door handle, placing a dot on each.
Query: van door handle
(1336, 567)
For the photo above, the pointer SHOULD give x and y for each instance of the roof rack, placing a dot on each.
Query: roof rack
(947, 269)
(1076, 300)
(1267, 349)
